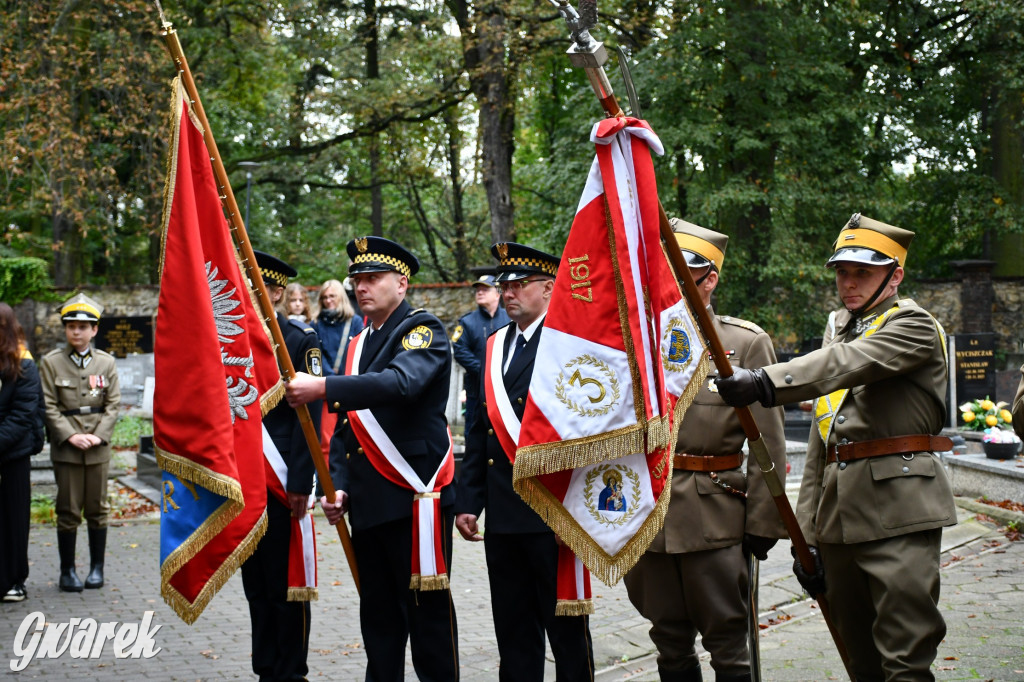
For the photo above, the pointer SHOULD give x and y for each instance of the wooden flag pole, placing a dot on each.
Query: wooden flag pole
(241, 238)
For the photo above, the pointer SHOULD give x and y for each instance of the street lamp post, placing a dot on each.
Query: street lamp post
(248, 186)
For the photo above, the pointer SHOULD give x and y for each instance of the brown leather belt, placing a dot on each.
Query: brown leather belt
(898, 445)
(707, 462)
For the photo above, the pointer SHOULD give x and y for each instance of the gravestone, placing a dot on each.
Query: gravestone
(975, 367)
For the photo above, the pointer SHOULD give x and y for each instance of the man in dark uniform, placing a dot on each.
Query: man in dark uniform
(874, 495)
(521, 550)
(469, 339)
(392, 450)
(281, 616)
(694, 576)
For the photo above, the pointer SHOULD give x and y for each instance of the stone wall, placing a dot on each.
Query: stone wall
(450, 301)
(41, 319)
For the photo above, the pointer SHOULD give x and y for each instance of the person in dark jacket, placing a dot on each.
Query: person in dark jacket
(20, 438)
(522, 552)
(280, 612)
(469, 338)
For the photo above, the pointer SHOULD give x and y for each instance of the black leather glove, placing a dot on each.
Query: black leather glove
(813, 582)
(746, 386)
(757, 545)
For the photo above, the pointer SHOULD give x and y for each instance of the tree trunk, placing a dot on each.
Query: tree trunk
(1008, 170)
(485, 43)
(371, 41)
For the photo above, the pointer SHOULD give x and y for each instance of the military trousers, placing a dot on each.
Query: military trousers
(884, 596)
(81, 488)
(695, 592)
(522, 569)
(390, 614)
(280, 628)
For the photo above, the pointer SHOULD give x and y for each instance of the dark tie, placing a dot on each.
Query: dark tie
(519, 345)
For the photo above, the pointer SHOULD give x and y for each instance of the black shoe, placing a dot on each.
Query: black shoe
(16, 593)
(97, 546)
(69, 581)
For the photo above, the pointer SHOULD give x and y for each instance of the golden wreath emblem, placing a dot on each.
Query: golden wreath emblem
(590, 380)
(419, 337)
(676, 353)
(613, 483)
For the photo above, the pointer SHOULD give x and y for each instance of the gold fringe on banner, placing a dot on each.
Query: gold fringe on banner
(608, 568)
(190, 611)
(574, 607)
(303, 594)
(548, 458)
(272, 398)
(427, 583)
(186, 469)
(700, 375)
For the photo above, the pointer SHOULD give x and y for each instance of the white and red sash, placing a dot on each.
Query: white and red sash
(428, 567)
(572, 591)
(302, 546)
(499, 406)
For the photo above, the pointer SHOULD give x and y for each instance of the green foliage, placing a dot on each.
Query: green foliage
(42, 509)
(128, 429)
(22, 278)
(779, 119)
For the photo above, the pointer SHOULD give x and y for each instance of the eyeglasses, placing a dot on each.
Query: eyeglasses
(516, 286)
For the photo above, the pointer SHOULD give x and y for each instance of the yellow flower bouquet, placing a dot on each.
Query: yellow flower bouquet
(979, 415)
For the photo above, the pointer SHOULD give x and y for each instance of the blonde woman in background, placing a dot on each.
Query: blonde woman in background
(336, 324)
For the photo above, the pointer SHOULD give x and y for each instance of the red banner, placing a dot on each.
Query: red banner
(216, 376)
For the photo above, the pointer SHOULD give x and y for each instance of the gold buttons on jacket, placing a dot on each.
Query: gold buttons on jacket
(490, 462)
(348, 455)
(519, 400)
(344, 422)
(337, 405)
(490, 432)
(359, 450)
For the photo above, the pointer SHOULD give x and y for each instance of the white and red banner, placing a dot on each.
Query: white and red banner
(215, 376)
(618, 362)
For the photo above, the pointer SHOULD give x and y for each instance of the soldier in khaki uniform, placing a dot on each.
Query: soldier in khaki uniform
(694, 576)
(874, 496)
(82, 396)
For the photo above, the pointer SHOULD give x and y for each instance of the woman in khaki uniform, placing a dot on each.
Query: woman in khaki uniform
(82, 396)
(874, 496)
(693, 578)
